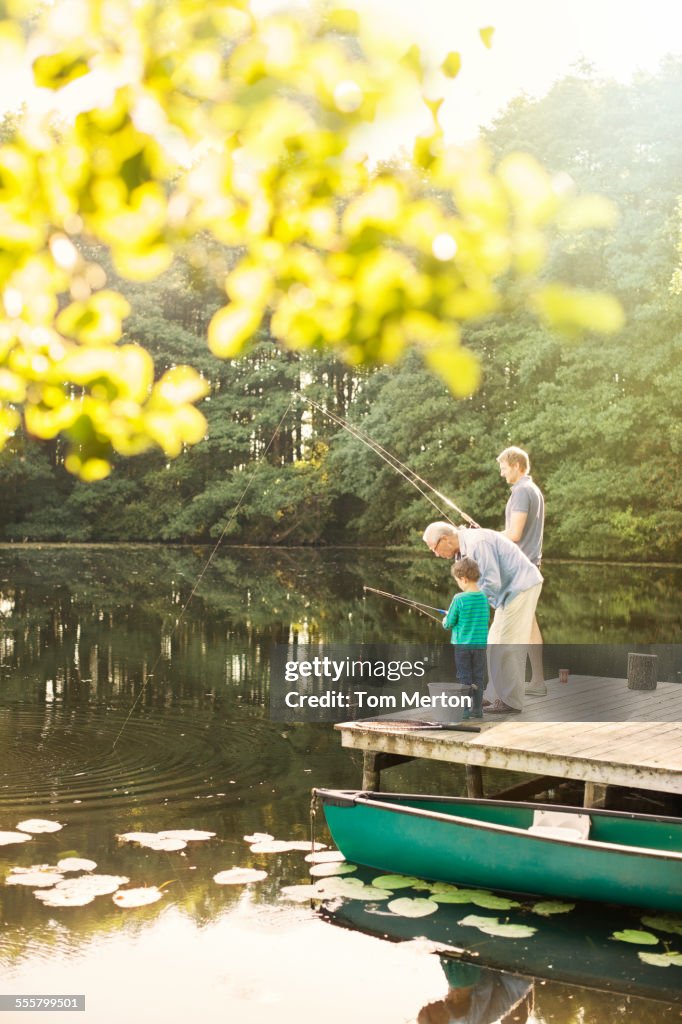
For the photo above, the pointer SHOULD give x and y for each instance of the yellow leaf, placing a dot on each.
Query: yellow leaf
(96, 321)
(12, 387)
(55, 70)
(529, 251)
(47, 423)
(379, 207)
(486, 35)
(574, 309)
(529, 187)
(344, 20)
(231, 328)
(458, 367)
(92, 469)
(11, 45)
(142, 264)
(9, 421)
(412, 59)
(248, 283)
(181, 384)
(588, 212)
(452, 64)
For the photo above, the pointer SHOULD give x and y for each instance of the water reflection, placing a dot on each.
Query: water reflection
(571, 956)
(118, 714)
(477, 995)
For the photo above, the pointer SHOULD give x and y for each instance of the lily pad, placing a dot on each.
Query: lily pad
(350, 888)
(153, 841)
(443, 887)
(167, 844)
(490, 901)
(455, 895)
(395, 882)
(271, 846)
(239, 876)
(335, 868)
(306, 846)
(137, 837)
(406, 907)
(661, 959)
(77, 892)
(285, 846)
(325, 857)
(450, 897)
(140, 897)
(37, 877)
(259, 837)
(300, 893)
(59, 898)
(76, 864)
(493, 926)
(187, 835)
(38, 825)
(632, 935)
(664, 923)
(7, 838)
(548, 907)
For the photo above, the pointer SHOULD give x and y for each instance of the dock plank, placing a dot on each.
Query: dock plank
(642, 751)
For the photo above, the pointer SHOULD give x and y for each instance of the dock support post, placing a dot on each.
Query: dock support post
(595, 795)
(371, 773)
(474, 777)
(373, 763)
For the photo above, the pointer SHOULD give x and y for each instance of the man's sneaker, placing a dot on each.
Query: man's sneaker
(500, 708)
(539, 690)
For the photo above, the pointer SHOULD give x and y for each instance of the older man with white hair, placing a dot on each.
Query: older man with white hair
(512, 585)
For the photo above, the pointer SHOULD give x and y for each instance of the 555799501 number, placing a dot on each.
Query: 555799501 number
(42, 1002)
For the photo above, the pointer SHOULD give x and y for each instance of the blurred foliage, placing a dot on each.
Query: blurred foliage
(601, 421)
(198, 120)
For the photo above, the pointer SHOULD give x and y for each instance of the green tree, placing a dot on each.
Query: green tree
(605, 419)
(220, 123)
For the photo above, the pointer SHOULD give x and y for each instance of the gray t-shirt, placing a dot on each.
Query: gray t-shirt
(527, 497)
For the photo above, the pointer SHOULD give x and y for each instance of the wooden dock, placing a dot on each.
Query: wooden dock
(643, 750)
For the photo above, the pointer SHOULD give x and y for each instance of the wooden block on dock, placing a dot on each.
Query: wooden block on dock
(642, 671)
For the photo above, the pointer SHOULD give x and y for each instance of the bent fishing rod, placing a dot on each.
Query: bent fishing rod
(392, 460)
(419, 606)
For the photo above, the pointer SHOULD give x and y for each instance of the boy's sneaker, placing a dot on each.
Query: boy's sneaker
(536, 690)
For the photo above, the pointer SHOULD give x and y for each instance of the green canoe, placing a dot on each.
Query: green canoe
(569, 852)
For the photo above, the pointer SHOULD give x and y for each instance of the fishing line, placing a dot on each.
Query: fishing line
(228, 524)
(418, 606)
(392, 460)
(405, 600)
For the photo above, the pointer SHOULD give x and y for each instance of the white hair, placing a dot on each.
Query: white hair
(434, 531)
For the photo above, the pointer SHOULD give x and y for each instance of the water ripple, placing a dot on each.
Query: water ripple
(66, 756)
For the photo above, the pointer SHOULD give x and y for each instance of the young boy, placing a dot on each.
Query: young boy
(467, 618)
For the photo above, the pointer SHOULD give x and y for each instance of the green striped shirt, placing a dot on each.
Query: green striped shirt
(468, 617)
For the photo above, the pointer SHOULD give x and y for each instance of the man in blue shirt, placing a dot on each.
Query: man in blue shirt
(512, 585)
(524, 522)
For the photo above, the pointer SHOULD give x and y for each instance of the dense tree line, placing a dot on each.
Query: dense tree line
(601, 419)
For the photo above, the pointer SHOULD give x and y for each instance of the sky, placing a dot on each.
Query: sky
(535, 43)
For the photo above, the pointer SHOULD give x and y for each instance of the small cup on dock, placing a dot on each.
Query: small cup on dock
(563, 675)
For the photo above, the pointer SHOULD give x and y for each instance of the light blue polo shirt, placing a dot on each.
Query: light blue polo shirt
(505, 571)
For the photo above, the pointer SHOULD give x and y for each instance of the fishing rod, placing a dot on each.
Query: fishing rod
(418, 606)
(392, 460)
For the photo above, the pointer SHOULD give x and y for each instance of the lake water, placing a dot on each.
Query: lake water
(123, 708)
